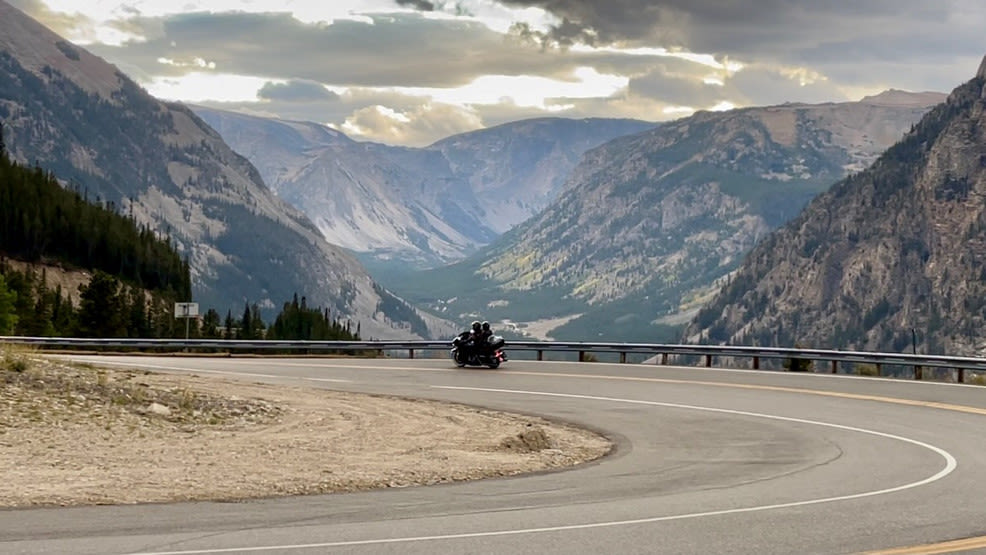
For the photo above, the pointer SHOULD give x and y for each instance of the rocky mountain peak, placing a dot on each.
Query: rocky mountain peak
(886, 256)
(897, 97)
(36, 47)
(981, 73)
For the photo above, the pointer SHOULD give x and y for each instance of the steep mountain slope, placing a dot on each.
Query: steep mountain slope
(354, 192)
(517, 169)
(80, 117)
(898, 247)
(649, 222)
(426, 206)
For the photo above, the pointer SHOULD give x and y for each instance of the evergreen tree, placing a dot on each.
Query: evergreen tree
(41, 220)
(257, 327)
(62, 314)
(100, 310)
(229, 333)
(23, 284)
(138, 321)
(8, 315)
(41, 326)
(210, 324)
(246, 324)
(298, 321)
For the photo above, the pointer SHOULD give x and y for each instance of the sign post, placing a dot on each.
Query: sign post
(186, 311)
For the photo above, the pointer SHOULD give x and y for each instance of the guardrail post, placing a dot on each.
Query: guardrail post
(664, 359)
(835, 367)
(879, 369)
(708, 361)
(623, 358)
(410, 353)
(581, 356)
(918, 372)
(961, 375)
(756, 363)
(540, 354)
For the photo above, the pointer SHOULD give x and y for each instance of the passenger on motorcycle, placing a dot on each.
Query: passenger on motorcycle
(483, 339)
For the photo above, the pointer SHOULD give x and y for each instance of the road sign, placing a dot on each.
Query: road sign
(186, 310)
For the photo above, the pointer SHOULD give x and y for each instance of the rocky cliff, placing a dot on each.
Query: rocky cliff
(890, 254)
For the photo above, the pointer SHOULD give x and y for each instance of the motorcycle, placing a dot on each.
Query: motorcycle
(464, 352)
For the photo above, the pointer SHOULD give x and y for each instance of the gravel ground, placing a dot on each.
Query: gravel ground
(79, 435)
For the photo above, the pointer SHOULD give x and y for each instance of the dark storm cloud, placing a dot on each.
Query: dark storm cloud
(422, 5)
(399, 50)
(296, 91)
(790, 31)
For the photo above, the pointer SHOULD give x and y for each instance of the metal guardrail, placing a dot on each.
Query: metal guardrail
(663, 351)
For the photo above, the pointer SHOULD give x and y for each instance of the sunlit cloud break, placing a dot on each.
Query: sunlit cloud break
(524, 90)
(204, 87)
(702, 59)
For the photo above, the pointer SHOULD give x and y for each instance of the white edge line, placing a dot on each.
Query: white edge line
(950, 465)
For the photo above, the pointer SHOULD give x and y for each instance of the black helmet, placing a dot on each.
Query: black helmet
(486, 326)
(475, 325)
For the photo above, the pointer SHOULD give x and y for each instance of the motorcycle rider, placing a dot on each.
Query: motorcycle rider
(469, 340)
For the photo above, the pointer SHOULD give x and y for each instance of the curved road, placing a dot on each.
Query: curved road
(707, 461)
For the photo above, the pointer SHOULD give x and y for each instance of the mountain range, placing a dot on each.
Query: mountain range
(82, 119)
(854, 224)
(647, 224)
(891, 258)
(422, 207)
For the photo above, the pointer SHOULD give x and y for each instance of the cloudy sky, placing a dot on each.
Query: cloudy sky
(414, 71)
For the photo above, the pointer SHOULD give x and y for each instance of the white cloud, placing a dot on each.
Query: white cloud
(524, 90)
(417, 126)
(390, 72)
(202, 87)
(105, 13)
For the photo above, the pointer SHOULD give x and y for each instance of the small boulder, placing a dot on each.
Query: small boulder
(159, 409)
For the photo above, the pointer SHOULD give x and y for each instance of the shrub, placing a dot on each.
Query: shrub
(867, 370)
(799, 365)
(794, 364)
(976, 379)
(14, 361)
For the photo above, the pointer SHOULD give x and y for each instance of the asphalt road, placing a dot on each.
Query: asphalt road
(707, 462)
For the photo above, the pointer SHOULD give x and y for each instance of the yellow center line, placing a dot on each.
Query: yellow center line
(855, 396)
(931, 548)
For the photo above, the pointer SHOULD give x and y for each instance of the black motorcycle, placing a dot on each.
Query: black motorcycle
(465, 352)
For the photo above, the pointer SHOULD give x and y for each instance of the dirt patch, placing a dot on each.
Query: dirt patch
(77, 435)
(531, 440)
(55, 276)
